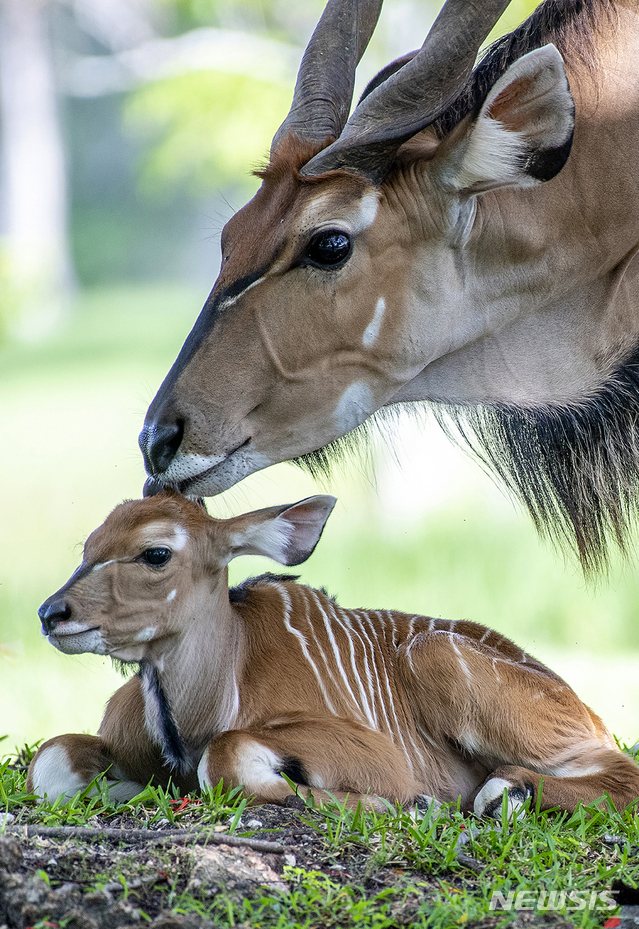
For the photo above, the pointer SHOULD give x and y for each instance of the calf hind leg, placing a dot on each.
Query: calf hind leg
(501, 706)
(327, 757)
(606, 772)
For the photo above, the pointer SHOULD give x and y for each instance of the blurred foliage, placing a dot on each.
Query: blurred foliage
(516, 12)
(207, 129)
(275, 17)
(204, 130)
(9, 299)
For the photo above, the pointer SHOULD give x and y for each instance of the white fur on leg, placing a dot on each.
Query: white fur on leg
(257, 767)
(121, 790)
(52, 775)
(422, 804)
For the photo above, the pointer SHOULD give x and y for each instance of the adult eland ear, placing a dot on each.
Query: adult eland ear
(523, 133)
(287, 534)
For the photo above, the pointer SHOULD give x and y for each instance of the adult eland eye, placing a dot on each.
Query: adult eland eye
(328, 248)
(156, 557)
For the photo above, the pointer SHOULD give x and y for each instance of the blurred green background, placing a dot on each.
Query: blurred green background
(146, 119)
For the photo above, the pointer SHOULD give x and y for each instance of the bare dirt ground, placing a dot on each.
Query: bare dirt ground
(49, 882)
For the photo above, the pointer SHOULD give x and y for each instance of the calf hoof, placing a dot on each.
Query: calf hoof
(489, 800)
(422, 804)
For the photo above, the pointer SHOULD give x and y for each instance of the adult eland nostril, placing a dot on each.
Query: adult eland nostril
(159, 444)
(53, 612)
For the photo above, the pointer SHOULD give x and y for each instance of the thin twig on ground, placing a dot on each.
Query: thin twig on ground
(176, 836)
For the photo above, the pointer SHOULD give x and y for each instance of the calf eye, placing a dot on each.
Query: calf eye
(156, 557)
(328, 248)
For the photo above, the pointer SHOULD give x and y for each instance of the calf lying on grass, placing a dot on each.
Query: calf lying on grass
(273, 677)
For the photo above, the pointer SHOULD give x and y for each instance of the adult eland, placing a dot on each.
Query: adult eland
(466, 237)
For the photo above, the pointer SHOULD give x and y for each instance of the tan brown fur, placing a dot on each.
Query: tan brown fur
(280, 678)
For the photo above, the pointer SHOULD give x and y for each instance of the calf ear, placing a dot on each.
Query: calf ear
(524, 130)
(288, 534)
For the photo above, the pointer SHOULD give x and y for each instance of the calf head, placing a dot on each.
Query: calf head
(154, 564)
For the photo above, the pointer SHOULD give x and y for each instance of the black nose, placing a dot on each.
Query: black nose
(53, 612)
(159, 442)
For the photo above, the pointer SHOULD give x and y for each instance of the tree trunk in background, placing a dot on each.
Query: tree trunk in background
(38, 271)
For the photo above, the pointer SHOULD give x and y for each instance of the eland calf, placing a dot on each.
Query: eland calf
(273, 678)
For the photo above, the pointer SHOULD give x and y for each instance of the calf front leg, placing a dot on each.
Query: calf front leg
(68, 763)
(326, 757)
(123, 751)
(605, 772)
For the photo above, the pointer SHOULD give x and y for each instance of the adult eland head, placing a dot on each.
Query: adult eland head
(466, 238)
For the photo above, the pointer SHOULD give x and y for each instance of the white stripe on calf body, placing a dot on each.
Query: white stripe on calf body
(366, 646)
(335, 681)
(337, 656)
(342, 617)
(304, 645)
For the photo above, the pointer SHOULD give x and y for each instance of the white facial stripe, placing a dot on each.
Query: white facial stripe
(103, 564)
(310, 214)
(372, 330)
(145, 635)
(318, 213)
(180, 538)
(366, 212)
(355, 404)
(231, 300)
(171, 596)
(157, 534)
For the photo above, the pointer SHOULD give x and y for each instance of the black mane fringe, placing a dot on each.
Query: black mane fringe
(574, 467)
(571, 25)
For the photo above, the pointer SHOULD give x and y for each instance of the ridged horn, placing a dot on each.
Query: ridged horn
(415, 95)
(324, 86)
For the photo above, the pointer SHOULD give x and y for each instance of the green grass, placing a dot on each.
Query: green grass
(375, 870)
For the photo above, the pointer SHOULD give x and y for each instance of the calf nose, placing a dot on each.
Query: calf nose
(53, 612)
(159, 442)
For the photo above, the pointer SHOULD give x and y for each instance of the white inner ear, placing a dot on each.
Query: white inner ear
(271, 538)
(495, 155)
(494, 158)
